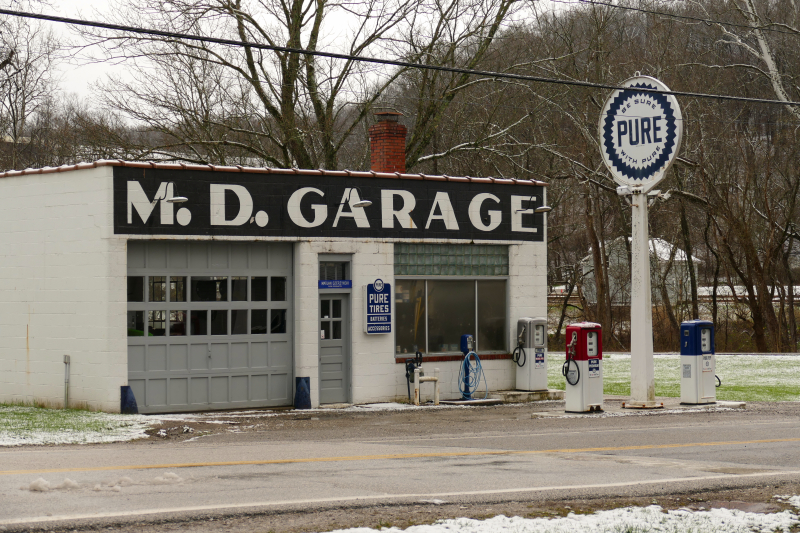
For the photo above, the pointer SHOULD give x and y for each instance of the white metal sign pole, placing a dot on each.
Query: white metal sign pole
(640, 135)
(642, 374)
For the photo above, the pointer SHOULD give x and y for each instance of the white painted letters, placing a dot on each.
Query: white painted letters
(356, 213)
(403, 215)
(448, 216)
(137, 199)
(293, 207)
(218, 205)
(517, 211)
(495, 217)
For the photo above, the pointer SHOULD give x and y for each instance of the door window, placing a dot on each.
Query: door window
(330, 319)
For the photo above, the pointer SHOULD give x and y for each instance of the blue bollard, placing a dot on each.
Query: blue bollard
(127, 401)
(302, 393)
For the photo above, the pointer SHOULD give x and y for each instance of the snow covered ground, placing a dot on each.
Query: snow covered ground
(21, 425)
(624, 520)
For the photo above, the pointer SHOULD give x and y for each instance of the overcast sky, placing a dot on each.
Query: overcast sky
(77, 78)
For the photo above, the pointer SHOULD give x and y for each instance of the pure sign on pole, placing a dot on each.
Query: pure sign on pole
(640, 134)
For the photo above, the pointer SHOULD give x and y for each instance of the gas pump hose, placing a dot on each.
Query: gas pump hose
(518, 355)
(565, 370)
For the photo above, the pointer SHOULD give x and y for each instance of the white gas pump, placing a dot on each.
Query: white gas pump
(698, 363)
(531, 354)
(583, 368)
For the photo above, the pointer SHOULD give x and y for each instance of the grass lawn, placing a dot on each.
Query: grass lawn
(766, 378)
(21, 424)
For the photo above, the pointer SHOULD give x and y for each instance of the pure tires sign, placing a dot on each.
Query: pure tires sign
(640, 132)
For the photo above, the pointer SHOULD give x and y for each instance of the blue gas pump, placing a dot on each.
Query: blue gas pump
(698, 362)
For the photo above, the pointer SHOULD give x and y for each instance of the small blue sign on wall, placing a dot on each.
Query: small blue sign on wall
(335, 284)
(378, 308)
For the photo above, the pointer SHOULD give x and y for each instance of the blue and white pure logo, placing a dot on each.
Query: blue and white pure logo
(379, 285)
(640, 132)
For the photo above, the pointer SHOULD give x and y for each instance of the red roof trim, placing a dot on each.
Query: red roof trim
(253, 170)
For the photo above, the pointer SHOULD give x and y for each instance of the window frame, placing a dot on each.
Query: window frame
(473, 278)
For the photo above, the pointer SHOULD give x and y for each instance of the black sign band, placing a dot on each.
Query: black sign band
(278, 205)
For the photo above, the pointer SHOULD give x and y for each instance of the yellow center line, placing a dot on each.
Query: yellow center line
(392, 456)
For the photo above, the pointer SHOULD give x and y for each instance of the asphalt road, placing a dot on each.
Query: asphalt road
(334, 459)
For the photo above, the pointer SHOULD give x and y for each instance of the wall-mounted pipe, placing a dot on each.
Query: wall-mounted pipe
(66, 381)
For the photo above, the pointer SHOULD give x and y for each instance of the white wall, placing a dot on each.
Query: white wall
(62, 289)
(376, 376)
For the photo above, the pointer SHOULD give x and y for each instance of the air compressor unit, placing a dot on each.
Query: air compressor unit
(530, 355)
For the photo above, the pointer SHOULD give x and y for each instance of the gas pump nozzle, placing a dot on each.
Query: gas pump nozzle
(521, 337)
(565, 369)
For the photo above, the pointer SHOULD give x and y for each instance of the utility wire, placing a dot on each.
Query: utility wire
(366, 59)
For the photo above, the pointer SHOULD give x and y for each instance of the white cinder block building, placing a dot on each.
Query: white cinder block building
(258, 278)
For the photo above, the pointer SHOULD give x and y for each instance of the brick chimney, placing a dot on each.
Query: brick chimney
(387, 143)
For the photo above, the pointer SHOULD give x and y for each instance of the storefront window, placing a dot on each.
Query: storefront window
(409, 299)
(333, 270)
(451, 307)
(450, 259)
(451, 313)
(492, 331)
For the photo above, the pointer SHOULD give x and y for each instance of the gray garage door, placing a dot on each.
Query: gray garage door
(209, 325)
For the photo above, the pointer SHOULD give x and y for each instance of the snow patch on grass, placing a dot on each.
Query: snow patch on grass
(624, 520)
(745, 377)
(20, 425)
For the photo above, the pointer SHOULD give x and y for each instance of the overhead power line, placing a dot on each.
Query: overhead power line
(376, 60)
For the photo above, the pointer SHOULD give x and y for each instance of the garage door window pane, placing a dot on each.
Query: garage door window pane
(157, 323)
(210, 289)
(258, 321)
(136, 323)
(239, 322)
(177, 288)
(409, 300)
(451, 313)
(177, 323)
(219, 322)
(278, 324)
(158, 288)
(199, 321)
(492, 332)
(238, 289)
(258, 286)
(135, 288)
(278, 289)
